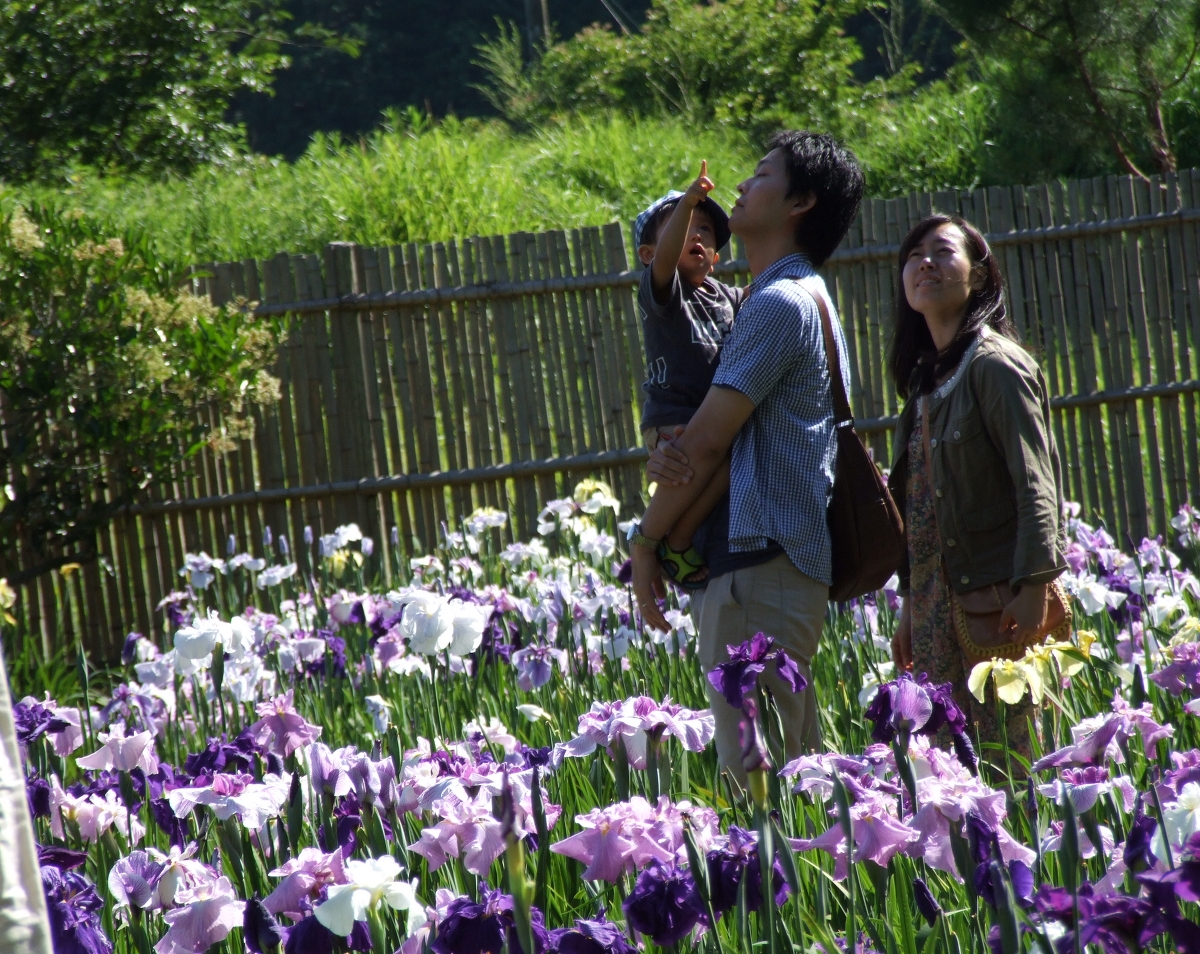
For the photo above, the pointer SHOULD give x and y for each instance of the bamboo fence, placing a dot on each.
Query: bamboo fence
(420, 382)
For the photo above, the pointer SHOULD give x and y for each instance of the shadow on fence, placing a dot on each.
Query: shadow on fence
(420, 382)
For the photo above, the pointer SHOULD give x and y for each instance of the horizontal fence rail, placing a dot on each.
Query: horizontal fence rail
(420, 382)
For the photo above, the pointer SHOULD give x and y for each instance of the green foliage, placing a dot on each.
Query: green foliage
(751, 64)
(415, 181)
(135, 84)
(103, 364)
(1084, 85)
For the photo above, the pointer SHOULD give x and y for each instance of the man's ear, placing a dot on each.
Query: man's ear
(801, 204)
(646, 254)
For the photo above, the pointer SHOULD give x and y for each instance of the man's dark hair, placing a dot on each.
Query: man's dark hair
(817, 163)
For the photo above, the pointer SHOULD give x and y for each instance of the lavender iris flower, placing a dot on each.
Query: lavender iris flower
(133, 879)
(73, 907)
(919, 706)
(664, 904)
(736, 679)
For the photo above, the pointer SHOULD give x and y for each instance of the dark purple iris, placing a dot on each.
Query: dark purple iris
(65, 859)
(72, 907)
(129, 650)
(625, 573)
(37, 791)
(590, 937)
(33, 720)
(664, 904)
(727, 867)
(927, 904)
(922, 707)
(382, 623)
(737, 678)
(309, 936)
(175, 828)
(982, 838)
(990, 886)
(1138, 855)
(220, 756)
(476, 927)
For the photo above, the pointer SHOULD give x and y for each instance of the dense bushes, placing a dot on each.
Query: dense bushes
(103, 364)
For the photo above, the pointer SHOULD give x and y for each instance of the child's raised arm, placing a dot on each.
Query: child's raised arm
(674, 233)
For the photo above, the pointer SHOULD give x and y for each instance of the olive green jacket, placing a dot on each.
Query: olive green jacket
(997, 480)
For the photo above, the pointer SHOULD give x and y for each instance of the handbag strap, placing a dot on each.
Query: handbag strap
(928, 446)
(842, 414)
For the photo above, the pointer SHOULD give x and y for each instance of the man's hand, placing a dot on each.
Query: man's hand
(647, 582)
(902, 640)
(1026, 614)
(698, 191)
(668, 464)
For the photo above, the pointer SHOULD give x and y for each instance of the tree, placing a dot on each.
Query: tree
(132, 84)
(1073, 73)
(104, 366)
(751, 64)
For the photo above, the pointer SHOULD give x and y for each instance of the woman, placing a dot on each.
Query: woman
(987, 509)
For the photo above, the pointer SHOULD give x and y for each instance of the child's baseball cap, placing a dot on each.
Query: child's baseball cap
(710, 205)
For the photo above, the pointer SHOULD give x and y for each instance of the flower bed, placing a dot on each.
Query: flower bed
(496, 756)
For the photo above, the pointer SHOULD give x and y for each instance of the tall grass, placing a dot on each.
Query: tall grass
(412, 180)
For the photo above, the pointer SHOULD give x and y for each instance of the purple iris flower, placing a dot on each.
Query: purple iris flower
(133, 879)
(65, 859)
(916, 705)
(664, 904)
(37, 792)
(625, 573)
(309, 936)
(220, 756)
(535, 665)
(927, 904)
(737, 859)
(33, 720)
(737, 678)
(590, 937)
(73, 907)
(129, 650)
(260, 930)
(175, 828)
(982, 839)
(476, 927)
(988, 884)
(1138, 855)
(1183, 674)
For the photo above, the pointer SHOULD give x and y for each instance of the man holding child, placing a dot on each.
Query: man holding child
(766, 420)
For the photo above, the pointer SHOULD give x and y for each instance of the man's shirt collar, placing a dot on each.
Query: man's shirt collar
(796, 265)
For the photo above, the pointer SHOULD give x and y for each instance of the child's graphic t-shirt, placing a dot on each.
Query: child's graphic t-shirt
(683, 340)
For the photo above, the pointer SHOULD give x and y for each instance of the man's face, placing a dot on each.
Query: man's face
(763, 205)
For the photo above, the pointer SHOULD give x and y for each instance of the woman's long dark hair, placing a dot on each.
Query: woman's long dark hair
(915, 362)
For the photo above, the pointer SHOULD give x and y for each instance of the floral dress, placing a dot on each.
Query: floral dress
(935, 648)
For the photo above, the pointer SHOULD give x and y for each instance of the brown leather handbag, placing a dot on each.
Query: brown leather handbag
(865, 528)
(977, 613)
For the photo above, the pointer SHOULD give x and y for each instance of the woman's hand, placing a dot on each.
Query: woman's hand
(1024, 617)
(668, 464)
(902, 640)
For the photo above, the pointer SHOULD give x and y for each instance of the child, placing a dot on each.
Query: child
(686, 316)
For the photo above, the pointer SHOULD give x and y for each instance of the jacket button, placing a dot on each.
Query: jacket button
(933, 443)
(966, 580)
(938, 491)
(950, 542)
(957, 435)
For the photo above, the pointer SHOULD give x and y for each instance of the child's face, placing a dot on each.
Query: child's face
(699, 249)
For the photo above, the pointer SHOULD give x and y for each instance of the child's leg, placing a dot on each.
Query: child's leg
(680, 537)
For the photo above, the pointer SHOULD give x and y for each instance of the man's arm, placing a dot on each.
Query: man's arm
(705, 442)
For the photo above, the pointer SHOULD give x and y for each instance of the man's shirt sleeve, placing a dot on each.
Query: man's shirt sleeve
(764, 344)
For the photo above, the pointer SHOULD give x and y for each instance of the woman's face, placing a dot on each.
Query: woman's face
(938, 276)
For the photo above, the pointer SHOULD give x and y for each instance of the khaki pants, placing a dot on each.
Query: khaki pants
(777, 599)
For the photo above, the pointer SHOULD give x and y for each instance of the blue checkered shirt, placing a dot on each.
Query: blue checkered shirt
(783, 457)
